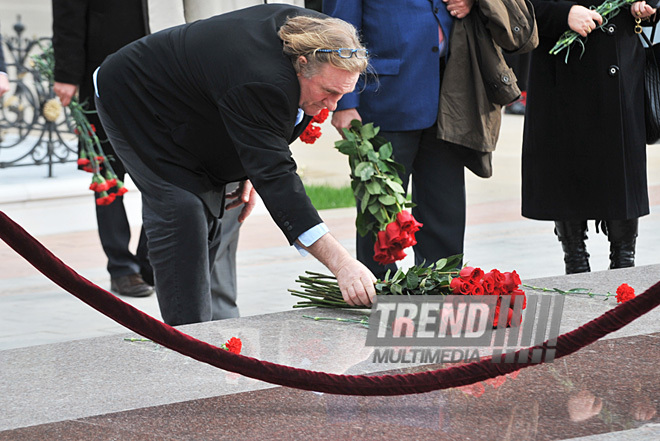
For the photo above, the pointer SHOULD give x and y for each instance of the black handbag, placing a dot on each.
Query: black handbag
(651, 86)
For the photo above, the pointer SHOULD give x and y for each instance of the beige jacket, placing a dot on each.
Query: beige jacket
(477, 81)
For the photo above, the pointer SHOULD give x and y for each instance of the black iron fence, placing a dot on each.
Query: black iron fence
(34, 127)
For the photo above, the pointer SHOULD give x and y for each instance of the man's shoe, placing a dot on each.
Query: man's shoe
(131, 286)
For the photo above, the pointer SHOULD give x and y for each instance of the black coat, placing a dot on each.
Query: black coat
(212, 102)
(584, 150)
(85, 32)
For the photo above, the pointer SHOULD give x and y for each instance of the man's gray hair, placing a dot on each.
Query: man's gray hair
(303, 35)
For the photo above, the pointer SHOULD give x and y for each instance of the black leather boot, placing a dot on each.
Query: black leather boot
(622, 235)
(572, 234)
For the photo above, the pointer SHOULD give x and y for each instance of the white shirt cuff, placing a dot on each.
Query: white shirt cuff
(310, 236)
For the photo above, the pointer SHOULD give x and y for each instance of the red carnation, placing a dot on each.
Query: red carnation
(233, 345)
(311, 134)
(83, 161)
(122, 191)
(111, 182)
(624, 293)
(321, 116)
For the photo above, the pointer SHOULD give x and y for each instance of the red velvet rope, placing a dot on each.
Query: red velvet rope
(145, 325)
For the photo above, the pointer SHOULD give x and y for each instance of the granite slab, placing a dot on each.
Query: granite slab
(113, 388)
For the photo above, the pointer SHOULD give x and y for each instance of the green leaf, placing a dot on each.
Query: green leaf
(346, 147)
(385, 151)
(394, 185)
(379, 215)
(365, 202)
(350, 136)
(374, 187)
(372, 156)
(396, 289)
(365, 170)
(364, 148)
(367, 131)
(412, 280)
(387, 199)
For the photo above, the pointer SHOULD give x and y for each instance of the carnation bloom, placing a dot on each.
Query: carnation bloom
(311, 134)
(624, 293)
(233, 345)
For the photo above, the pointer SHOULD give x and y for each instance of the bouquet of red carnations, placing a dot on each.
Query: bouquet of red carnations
(105, 182)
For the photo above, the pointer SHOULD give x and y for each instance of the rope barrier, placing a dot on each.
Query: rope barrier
(123, 313)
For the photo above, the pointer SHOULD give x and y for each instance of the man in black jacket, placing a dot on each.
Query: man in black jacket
(84, 33)
(196, 107)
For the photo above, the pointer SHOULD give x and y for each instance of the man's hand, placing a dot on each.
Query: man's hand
(459, 8)
(244, 195)
(4, 83)
(355, 280)
(341, 119)
(65, 92)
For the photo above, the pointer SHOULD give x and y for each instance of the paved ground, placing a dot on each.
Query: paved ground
(59, 211)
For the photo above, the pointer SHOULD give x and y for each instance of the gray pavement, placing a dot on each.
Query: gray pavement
(59, 211)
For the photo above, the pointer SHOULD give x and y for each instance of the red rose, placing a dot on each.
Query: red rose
(321, 116)
(488, 283)
(519, 292)
(394, 234)
(511, 281)
(477, 289)
(408, 222)
(471, 274)
(624, 293)
(234, 345)
(381, 253)
(455, 285)
(496, 319)
(396, 253)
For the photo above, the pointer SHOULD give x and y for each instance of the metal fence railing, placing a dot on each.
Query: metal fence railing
(34, 127)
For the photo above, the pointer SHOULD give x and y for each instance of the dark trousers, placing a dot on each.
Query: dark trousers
(115, 234)
(183, 236)
(438, 189)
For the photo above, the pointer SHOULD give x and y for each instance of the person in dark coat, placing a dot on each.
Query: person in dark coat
(195, 107)
(584, 150)
(84, 33)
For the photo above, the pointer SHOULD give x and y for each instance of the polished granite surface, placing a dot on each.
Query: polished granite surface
(611, 387)
(111, 388)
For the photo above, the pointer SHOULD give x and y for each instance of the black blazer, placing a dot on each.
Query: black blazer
(212, 102)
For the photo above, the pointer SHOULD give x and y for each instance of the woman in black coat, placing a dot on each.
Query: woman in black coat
(584, 149)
